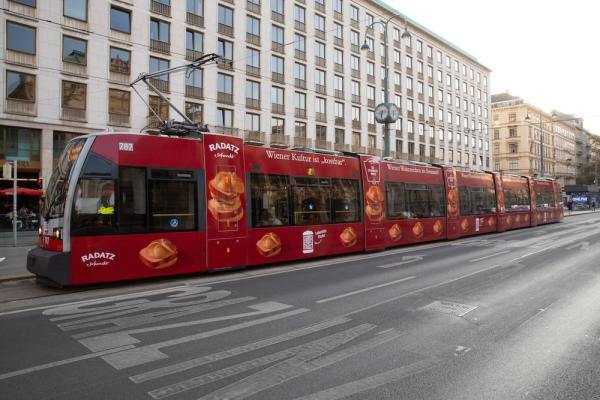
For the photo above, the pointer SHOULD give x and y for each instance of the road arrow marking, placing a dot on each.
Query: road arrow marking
(405, 260)
(583, 245)
(2, 259)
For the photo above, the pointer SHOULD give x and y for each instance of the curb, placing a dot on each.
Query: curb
(16, 278)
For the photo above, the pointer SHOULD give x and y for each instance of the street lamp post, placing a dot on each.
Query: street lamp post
(528, 118)
(386, 94)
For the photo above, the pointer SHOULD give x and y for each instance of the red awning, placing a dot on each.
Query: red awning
(22, 191)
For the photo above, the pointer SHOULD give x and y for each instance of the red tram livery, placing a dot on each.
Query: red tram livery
(123, 206)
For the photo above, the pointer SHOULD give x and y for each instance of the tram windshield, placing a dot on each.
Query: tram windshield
(56, 194)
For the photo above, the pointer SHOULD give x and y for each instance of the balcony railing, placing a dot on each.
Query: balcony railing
(320, 7)
(371, 55)
(193, 19)
(277, 77)
(160, 8)
(160, 84)
(302, 141)
(22, 9)
(253, 103)
(118, 119)
(20, 107)
(225, 30)
(321, 117)
(278, 47)
(225, 63)
(192, 55)
(371, 128)
(119, 78)
(358, 148)
(300, 113)
(354, 23)
(300, 83)
(279, 140)
(338, 68)
(355, 48)
(339, 121)
(152, 122)
(72, 114)
(300, 26)
(253, 71)
(341, 147)
(256, 137)
(16, 57)
(355, 73)
(319, 34)
(339, 94)
(356, 99)
(277, 17)
(320, 61)
(338, 15)
(321, 89)
(277, 108)
(356, 124)
(253, 7)
(371, 79)
(74, 69)
(194, 91)
(370, 103)
(338, 41)
(253, 39)
(375, 151)
(226, 98)
(323, 144)
(160, 47)
(299, 54)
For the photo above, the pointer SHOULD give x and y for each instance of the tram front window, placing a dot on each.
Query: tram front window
(94, 207)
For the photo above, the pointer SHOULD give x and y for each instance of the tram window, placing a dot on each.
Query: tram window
(132, 199)
(516, 200)
(475, 200)
(311, 201)
(395, 206)
(269, 198)
(345, 200)
(417, 198)
(96, 166)
(437, 201)
(544, 199)
(172, 205)
(94, 207)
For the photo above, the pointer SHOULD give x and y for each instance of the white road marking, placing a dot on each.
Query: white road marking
(405, 260)
(270, 377)
(61, 362)
(2, 259)
(291, 369)
(489, 256)
(121, 338)
(341, 296)
(145, 354)
(236, 351)
(372, 382)
(532, 253)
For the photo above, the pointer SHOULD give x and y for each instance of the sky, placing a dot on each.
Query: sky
(543, 51)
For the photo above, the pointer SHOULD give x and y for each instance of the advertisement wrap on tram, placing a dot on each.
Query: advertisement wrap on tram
(123, 206)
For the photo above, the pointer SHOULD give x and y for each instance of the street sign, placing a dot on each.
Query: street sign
(7, 171)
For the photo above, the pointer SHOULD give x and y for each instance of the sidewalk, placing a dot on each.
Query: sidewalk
(13, 259)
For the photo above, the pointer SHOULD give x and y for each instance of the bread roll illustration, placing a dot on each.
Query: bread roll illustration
(452, 202)
(374, 204)
(517, 218)
(418, 230)
(159, 254)
(269, 245)
(226, 187)
(491, 222)
(395, 232)
(438, 227)
(508, 220)
(464, 225)
(226, 212)
(348, 237)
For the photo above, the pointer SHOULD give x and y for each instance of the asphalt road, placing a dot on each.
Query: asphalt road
(502, 316)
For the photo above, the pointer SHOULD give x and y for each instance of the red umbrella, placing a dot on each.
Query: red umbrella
(22, 191)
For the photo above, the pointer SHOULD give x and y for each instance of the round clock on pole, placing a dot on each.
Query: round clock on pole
(386, 113)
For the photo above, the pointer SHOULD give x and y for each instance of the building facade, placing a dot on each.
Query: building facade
(294, 75)
(525, 138)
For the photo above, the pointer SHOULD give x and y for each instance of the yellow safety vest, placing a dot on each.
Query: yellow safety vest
(106, 210)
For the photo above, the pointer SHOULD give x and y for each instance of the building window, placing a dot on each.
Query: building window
(76, 9)
(253, 93)
(19, 143)
(354, 13)
(512, 148)
(513, 164)
(20, 38)
(253, 26)
(225, 49)
(120, 20)
(226, 16)
(120, 60)
(195, 7)
(20, 86)
(158, 64)
(277, 126)
(277, 96)
(74, 95)
(194, 111)
(118, 102)
(30, 3)
(299, 14)
(159, 30)
(159, 107)
(252, 122)
(224, 118)
(74, 50)
(225, 85)
(321, 133)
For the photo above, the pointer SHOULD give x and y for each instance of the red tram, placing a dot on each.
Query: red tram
(123, 206)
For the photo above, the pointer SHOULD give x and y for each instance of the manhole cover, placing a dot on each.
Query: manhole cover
(448, 307)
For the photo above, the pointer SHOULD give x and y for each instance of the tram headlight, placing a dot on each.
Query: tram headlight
(40, 231)
(57, 233)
